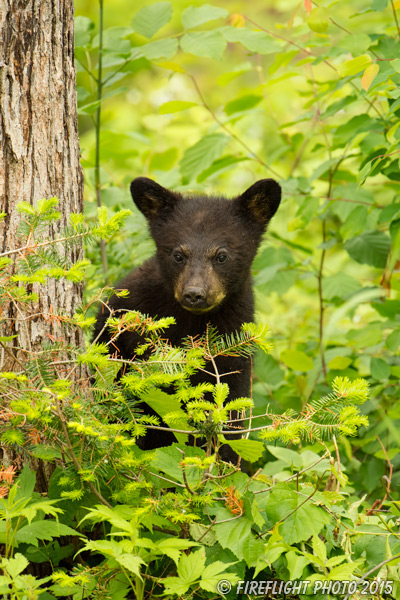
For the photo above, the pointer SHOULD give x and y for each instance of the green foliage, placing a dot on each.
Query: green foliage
(203, 100)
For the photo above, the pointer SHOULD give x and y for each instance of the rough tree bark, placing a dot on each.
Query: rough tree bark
(39, 148)
(39, 154)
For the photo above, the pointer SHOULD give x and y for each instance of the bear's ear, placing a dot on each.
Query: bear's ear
(152, 199)
(261, 200)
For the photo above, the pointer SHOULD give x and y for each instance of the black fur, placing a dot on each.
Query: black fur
(201, 272)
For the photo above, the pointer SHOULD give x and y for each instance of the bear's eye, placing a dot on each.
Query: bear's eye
(178, 257)
(221, 258)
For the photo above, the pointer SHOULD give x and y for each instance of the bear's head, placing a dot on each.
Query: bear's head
(206, 244)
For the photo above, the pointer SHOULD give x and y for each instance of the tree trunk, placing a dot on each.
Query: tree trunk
(39, 158)
(39, 149)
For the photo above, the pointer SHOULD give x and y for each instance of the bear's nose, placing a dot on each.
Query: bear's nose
(193, 296)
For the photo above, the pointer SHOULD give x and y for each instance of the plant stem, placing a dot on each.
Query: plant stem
(97, 129)
(321, 300)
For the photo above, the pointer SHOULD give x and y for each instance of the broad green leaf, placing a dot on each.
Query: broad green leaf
(296, 564)
(175, 106)
(248, 449)
(233, 533)
(242, 103)
(214, 573)
(356, 42)
(163, 403)
(199, 531)
(42, 530)
(380, 369)
(252, 549)
(303, 522)
(191, 566)
(83, 28)
(26, 483)
(393, 341)
(160, 49)
(395, 64)
(194, 16)
(16, 565)
(149, 19)
(371, 248)
(255, 41)
(204, 43)
(340, 285)
(339, 363)
(131, 562)
(199, 157)
(297, 360)
(221, 164)
(355, 65)
(319, 548)
(318, 20)
(173, 547)
(45, 452)
(289, 457)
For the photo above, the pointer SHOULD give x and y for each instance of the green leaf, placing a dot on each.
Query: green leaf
(131, 562)
(296, 563)
(242, 103)
(250, 450)
(318, 20)
(16, 565)
(371, 248)
(26, 483)
(213, 573)
(191, 566)
(44, 452)
(233, 533)
(83, 27)
(339, 363)
(255, 41)
(204, 43)
(393, 341)
(199, 157)
(160, 49)
(194, 16)
(319, 548)
(303, 522)
(296, 360)
(355, 65)
(175, 106)
(380, 369)
(340, 285)
(42, 530)
(149, 19)
(221, 164)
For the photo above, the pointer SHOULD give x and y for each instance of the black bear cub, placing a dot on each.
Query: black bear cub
(201, 273)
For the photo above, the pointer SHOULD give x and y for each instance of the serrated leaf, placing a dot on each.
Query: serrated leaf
(369, 75)
(191, 566)
(16, 565)
(340, 285)
(42, 530)
(175, 106)
(393, 341)
(130, 562)
(160, 49)
(296, 564)
(199, 157)
(319, 548)
(297, 360)
(371, 248)
(210, 44)
(250, 450)
(355, 65)
(255, 41)
(194, 16)
(149, 19)
(232, 534)
(380, 369)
